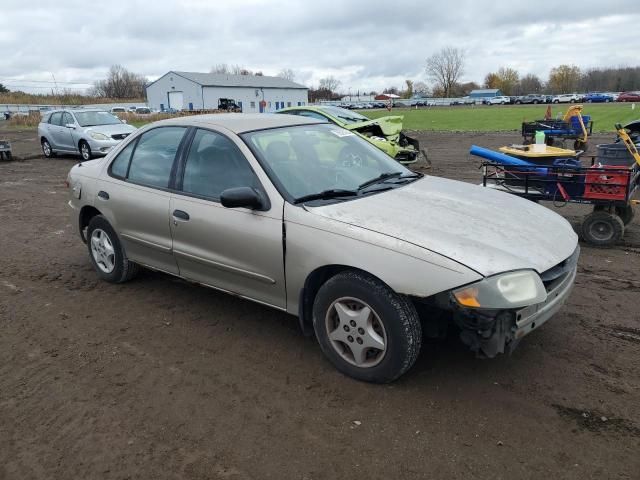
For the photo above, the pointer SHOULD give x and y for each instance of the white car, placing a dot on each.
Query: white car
(566, 98)
(500, 100)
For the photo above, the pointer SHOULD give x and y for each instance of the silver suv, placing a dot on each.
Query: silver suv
(313, 220)
(86, 132)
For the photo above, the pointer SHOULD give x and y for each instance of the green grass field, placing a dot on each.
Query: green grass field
(499, 118)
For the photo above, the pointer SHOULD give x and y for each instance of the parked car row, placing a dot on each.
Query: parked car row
(132, 109)
(592, 97)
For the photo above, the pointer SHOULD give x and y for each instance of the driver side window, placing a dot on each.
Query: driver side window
(215, 164)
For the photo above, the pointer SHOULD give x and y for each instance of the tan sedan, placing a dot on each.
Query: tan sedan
(308, 218)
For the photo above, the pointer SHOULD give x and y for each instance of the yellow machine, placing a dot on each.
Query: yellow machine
(576, 111)
(624, 136)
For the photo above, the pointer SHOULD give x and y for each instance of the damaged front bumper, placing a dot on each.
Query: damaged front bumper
(490, 332)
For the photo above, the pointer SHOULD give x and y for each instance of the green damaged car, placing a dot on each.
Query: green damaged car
(384, 132)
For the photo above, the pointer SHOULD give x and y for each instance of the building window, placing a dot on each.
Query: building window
(299, 104)
(269, 104)
(288, 104)
(253, 104)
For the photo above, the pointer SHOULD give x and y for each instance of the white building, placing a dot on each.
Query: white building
(202, 91)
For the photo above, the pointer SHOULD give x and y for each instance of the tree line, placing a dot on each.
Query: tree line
(446, 67)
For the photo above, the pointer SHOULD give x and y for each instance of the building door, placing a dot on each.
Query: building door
(176, 100)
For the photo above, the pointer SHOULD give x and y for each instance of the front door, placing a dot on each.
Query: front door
(236, 250)
(60, 136)
(134, 196)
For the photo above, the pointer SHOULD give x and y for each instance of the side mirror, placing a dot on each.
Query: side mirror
(241, 197)
(70, 125)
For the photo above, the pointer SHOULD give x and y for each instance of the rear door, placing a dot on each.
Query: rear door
(134, 195)
(234, 249)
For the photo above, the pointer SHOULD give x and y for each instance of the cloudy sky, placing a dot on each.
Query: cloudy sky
(366, 44)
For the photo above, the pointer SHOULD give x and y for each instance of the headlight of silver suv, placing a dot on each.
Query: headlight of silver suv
(506, 290)
(98, 136)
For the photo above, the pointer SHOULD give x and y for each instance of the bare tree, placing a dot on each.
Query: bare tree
(287, 74)
(408, 92)
(421, 88)
(120, 83)
(225, 69)
(530, 83)
(221, 68)
(445, 68)
(330, 84)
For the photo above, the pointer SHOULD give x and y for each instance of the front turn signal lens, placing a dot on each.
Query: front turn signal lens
(468, 297)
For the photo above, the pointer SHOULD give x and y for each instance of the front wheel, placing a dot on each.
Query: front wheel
(106, 253)
(85, 150)
(602, 228)
(365, 329)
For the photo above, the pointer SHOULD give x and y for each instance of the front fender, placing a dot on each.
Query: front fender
(313, 242)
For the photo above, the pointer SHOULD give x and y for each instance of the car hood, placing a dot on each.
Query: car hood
(390, 126)
(111, 129)
(485, 230)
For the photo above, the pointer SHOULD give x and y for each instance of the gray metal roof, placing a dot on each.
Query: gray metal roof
(253, 81)
(241, 122)
(485, 90)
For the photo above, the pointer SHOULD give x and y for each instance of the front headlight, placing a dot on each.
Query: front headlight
(98, 136)
(506, 290)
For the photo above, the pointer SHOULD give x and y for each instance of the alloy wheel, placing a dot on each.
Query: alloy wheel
(356, 332)
(102, 250)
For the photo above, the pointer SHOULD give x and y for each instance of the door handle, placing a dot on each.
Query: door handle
(181, 215)
(103, 195)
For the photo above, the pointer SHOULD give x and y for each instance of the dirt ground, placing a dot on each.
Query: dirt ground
(161, 379)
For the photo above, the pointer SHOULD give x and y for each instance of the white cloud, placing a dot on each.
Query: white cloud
(367, 45)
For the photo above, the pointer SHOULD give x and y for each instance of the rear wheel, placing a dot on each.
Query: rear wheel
(602, 228)
(625, 213)
(365, 329)
(46, 148)
(106, 253)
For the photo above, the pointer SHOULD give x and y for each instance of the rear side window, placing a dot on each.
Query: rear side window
(317, 116)
(153, 156)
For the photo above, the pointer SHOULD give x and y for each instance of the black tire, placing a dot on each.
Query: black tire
(602, 228)
(124, 269)
(518, 102)
(535, 102)
(556, 101)
(85, 150)
(398, 316)
(47, 151)
(626, 214)
(572, 101)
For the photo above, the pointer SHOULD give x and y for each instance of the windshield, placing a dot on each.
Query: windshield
(346, 116)
(310, 159)
(90, 119)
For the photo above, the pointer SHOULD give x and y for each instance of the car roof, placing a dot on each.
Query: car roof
(241, 122)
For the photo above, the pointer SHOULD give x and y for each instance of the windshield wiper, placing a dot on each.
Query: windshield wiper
(386, 176)
(326, 195)
(380, 178)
